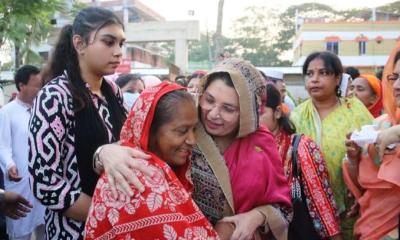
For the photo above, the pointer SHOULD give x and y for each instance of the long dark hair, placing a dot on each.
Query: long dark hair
(64, 56)
(274, 100)
(90, 129)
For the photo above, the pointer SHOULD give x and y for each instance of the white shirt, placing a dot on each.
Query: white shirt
(1, 97)
(14, 120)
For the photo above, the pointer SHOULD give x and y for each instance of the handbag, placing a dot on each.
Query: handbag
(302, 226)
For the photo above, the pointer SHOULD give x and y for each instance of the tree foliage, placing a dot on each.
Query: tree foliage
(26, 22)
(255, 37)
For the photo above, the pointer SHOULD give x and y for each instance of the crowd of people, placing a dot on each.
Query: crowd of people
(223, 154)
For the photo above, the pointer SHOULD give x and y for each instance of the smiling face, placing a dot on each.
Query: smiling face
(320, 83)
(363, 91)
(102, 54)
(175, 138)
(220, 109)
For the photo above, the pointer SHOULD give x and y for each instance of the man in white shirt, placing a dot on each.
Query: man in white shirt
(14, 121)
(276, 77)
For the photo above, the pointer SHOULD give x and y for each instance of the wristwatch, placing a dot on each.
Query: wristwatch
(96, 159)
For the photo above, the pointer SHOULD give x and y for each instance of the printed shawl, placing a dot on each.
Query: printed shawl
(165, 210)
(315, 181)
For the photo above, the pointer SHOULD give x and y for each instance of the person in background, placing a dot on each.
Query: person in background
(379, 73)
(326, 118)
(14, 205)
(345, 86)
(372, 172)
(150, 81)
(181, 80)
(194, 81)
(14, 123)
(75, 113)
(321, 219)
(276, 77)
(165, 78)
(367, 88)
(353, 72)
(131, 86)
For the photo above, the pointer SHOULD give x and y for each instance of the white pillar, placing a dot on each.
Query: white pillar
(181, 55)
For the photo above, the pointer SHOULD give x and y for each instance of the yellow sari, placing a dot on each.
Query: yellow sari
(330, 134)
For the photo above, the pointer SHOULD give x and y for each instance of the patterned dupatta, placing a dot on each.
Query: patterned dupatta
(165, 209)
(314, 180)
(249, 173)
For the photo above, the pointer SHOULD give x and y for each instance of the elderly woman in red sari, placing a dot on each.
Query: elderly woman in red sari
(237, 171)
(161, 123)
(307, 174)
(373, 176)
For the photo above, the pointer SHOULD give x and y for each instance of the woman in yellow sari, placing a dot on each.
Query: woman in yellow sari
(327, 118)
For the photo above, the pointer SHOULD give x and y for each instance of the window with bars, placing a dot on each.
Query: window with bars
(332, 47)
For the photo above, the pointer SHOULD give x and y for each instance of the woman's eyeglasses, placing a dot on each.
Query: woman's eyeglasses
(226, 112)
(393, 77)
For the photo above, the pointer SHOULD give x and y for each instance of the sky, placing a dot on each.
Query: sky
(206, 10)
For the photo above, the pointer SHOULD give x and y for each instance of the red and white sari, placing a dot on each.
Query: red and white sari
(165, 210)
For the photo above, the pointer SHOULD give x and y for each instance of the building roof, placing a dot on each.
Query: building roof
(344, 35)
(356, 61)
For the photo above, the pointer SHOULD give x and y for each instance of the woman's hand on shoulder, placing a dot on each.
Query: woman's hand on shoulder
(119, 164)
(245, 224)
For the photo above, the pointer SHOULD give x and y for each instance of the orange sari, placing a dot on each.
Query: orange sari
(379, 198)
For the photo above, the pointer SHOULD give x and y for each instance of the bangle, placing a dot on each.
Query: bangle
(96, 159)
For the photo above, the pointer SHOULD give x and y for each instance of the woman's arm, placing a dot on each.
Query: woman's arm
(79, 210)
(245, 224)
(118, 163)
(351, 161)
(48, 130)
(267, 217)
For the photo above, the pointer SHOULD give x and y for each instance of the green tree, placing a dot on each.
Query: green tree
(287, 21)
(26, 22)
(393, 7)
(255, 37)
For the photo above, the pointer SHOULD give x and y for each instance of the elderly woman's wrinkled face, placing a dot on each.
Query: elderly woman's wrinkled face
(363, 91)
(175, 139)
(394, 78)
(320, 82)
(220, 110)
